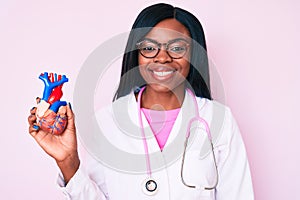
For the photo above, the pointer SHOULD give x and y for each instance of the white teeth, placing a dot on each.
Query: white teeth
(162, 73)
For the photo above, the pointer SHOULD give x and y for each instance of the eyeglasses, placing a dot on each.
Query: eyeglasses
(175, 48)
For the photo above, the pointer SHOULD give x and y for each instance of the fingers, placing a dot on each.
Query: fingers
(38, 99)
(33, 110)
(33, 128)
(32, 117)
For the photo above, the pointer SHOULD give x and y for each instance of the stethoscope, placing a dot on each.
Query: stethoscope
(149, 185)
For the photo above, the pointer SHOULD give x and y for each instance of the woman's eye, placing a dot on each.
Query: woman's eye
(177, 48)
(148, 48)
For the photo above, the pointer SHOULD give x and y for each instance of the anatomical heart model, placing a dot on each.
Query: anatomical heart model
(51, 111)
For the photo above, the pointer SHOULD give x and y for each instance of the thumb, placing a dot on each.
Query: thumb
(70, 117)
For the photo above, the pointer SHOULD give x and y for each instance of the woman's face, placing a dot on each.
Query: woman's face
(164, 56)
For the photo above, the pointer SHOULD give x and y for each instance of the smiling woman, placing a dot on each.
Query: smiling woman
(186, 26)
(172, 140)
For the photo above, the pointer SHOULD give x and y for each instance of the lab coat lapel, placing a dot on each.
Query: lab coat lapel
(134, 116)
(175, 145)
(186, 112)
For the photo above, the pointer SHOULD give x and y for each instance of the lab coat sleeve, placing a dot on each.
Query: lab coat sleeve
(234, 174)
(87, 183)
(81, 187)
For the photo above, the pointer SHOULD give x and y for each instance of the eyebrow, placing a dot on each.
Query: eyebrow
(170, 41)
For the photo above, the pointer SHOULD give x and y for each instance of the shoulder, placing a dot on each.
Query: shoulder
(214, 108)
(122, 101)
(221, 120)
(119, 111)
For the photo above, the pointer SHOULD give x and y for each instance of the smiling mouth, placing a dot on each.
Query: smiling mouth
(163, 73)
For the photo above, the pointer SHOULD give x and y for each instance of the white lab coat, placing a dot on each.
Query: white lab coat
(98, 179)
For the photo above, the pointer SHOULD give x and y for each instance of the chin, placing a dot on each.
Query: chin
(165, 88)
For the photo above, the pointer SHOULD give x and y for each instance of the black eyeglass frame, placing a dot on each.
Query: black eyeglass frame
(138, 44)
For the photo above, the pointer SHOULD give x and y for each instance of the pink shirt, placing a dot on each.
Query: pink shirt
(161, 123)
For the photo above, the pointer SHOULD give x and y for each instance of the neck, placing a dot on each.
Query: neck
(162, 100)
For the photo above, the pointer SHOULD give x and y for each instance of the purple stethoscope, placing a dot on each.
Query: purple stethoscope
(149, 185)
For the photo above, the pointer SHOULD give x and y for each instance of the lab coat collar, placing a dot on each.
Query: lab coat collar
(187, 111)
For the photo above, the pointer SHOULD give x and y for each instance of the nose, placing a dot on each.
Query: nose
(162, 56)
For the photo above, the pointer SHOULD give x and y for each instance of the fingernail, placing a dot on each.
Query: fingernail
(36, 127)
(70, 106)
(32, 108)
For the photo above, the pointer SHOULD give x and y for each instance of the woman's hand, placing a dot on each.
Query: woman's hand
(63, 147)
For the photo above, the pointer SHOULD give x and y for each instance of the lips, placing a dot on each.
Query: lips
(161, 73)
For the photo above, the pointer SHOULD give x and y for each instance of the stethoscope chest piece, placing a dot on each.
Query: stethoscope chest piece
(149, 186)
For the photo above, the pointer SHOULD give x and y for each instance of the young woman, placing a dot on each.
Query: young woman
(163, 114)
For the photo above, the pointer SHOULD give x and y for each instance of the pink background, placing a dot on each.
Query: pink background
(253, 44)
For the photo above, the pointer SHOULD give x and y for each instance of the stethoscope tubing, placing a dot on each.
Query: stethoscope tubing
(143, 132)
(196, 118)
